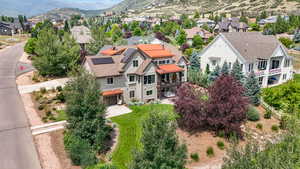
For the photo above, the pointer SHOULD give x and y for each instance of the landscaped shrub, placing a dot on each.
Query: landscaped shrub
(195, 156)
(210, 152)
(59, 88)
(268, 114)
(41, 107)
(43, 90)
(275, 128)
(283, 122)
(221, 145)
(259, 126)
(79, 150)
(61, 97)
(221, 134)
(252, 114)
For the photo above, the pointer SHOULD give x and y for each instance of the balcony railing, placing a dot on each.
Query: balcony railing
(274, 71)
(168, 84)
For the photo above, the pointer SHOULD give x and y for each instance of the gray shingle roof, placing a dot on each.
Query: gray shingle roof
(253, 45)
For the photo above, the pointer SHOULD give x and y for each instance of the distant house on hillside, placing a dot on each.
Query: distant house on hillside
(144, 72)
(271, 19)
(205, 35)
(205, 21)
(83, 36)
(6, 29)
(231, 25)
(135, 40)
(263, 54)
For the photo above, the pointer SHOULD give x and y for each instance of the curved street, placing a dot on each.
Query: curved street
(17, 148)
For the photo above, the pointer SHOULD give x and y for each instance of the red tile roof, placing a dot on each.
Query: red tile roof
(111, 52)
(169, 68)
(112, 92)
(155, 51)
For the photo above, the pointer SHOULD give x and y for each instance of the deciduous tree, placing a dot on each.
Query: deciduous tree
(227, 106)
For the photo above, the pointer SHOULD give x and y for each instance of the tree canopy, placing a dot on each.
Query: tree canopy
(161, 147)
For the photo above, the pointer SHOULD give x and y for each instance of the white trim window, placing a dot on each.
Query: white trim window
(149, 92)
(110, 80)
(135, 63)
(149, 79)
(262, 65)
(250, 67)
(131, 78)
(132, 94)
(260, 80)
(287, 63)
(284, 77)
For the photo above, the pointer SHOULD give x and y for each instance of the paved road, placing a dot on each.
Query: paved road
(17, 150)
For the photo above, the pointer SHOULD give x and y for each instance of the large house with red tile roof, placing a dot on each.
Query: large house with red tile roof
(144, 72)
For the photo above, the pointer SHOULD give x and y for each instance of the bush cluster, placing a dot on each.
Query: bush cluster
(252, 114)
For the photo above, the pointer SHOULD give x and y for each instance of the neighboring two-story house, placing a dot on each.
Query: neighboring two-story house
(263, 54)
(144, 72)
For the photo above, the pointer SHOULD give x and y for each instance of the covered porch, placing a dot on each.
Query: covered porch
(170, 77)
(113, 97)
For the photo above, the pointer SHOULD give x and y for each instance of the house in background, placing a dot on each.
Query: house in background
(144, 72)
(263, 54)
(6, 29)
(82, 36)
(271, 19)
(204, 21)
(231, 25)
(205, 35)
(135, 40)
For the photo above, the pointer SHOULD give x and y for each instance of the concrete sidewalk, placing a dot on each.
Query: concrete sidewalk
(48, 85)
(117, 110)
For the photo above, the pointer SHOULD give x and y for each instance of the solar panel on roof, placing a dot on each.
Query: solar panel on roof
(129, 52)
(98, 61)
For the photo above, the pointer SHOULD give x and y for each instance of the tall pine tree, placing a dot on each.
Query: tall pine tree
(236, 71)
(225, 69)
(252, 89)
(215, 73)
(194, 61)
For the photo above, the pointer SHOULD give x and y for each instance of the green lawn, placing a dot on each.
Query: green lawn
(61, 115)
(130, 126)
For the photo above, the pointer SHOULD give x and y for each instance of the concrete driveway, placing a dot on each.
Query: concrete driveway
(17, 150)
(117, 110)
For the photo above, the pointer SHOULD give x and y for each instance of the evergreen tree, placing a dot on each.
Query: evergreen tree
(215, 73)
(195, 61)
(252, 89)
(237, 71)
(85, 111)
(207, 69)
(55, 57)
(66, 26)
(225, 69)
(161, 147)
(99, 40)
(181, 38)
